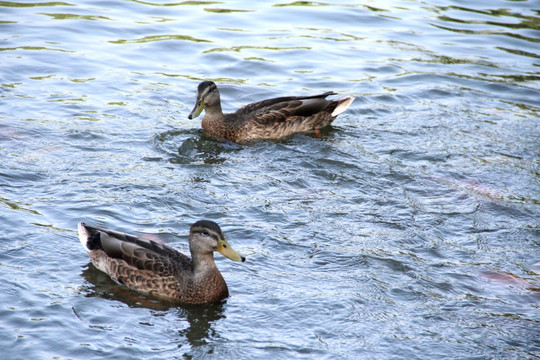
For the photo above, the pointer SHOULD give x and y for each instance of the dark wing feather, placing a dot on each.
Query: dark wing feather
(282, 107)
(143, 254)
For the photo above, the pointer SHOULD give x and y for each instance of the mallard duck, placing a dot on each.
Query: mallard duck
(267, 119)
(155, 268)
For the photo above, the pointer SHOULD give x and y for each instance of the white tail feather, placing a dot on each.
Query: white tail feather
(83, 236)
(344, 104)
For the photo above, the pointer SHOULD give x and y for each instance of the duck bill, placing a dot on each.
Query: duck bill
(224, 248)
(199, 106)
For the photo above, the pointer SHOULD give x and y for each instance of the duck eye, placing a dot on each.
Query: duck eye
(205, 233)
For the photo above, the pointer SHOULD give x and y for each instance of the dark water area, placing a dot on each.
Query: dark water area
(409, 228)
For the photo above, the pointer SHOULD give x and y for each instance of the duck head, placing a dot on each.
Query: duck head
(206, 237)
(207, 98)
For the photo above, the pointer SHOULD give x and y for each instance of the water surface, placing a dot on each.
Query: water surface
(407, 229)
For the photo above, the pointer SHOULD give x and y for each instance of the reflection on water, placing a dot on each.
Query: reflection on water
(409, 226)
(159, 38)
(197, 148)
(200, 318)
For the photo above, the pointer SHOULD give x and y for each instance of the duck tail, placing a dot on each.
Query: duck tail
(90, 238)
(343, 104)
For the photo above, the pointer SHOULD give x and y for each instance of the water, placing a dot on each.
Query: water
(408, 229)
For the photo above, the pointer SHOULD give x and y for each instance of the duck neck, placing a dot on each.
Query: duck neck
(208, 283)
(203, 262)
(213, 110)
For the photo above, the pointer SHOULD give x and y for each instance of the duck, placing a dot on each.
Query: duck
(268, 119)
(151, 267)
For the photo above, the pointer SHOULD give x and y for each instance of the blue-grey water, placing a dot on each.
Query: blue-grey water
(408, 229)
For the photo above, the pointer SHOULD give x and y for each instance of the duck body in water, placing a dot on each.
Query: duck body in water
(268, 119)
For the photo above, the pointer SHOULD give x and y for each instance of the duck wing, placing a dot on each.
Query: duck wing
(281, 109)
(141, 253)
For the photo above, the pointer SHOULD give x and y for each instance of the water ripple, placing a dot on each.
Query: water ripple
(407, 227)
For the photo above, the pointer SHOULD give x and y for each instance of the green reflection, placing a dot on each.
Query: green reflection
(527, 22)
(50, 226)
(81, 81)
(240, 48)
(12, 85)
(153, 38)
(41, 77)
(374, 9)
(179, 4)
(492, 12)
(33, 48)
(513, 78)
(15, 206)
(328, 38)
(225, 11)
(75, 16)
(67, 101)
(488, 32)
(254, 58)
(302, 3)
(162, 19)
(495, 78)
(519, 52)
(533, 110)
(86, 118)
(452, 61)
(17, 4)
(231, 29)
(349, 37)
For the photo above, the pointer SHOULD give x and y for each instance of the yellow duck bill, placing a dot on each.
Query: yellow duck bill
(199, 107)
(226, 249)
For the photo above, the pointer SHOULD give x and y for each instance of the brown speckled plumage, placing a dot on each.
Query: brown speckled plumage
(155, 268)
(267, 119)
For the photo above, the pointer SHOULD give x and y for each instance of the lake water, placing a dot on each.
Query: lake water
(407, 229)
